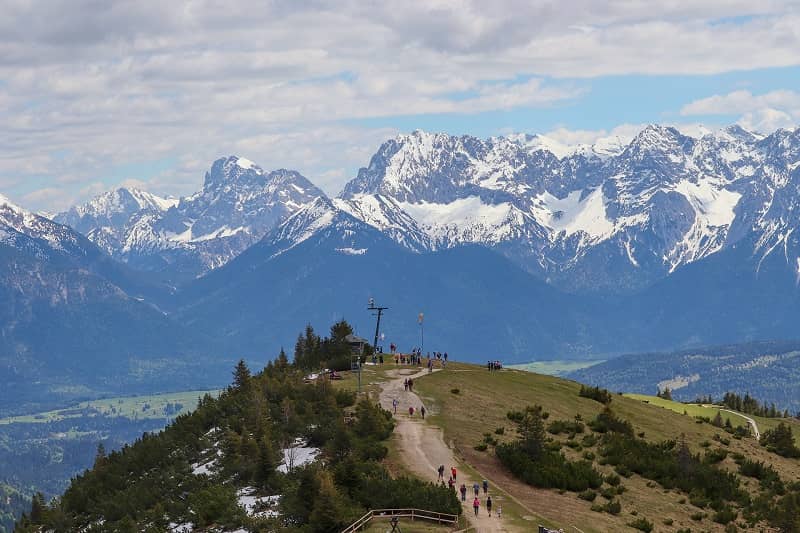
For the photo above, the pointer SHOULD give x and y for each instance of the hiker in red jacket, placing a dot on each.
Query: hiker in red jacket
(453, 472)
(476, 503)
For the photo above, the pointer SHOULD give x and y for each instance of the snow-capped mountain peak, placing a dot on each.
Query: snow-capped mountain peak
(238, 205)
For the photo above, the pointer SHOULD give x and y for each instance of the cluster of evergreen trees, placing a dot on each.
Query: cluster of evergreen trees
(751, 406)
(148, 484)
(312, 352)
(596, 393)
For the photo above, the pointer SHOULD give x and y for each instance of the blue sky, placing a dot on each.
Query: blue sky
(103, 95)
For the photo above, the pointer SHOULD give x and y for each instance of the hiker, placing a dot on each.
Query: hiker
(485, 486)
(453, 472)
(489, 505)
(430, 366)
(476, 503)
(489, 366)
(405, 384)
(445, 356)
(441, 472)
(411, 411)
(394, 404)
(476, 488)
(499, 511)
(463, 492)
(422, 412)
(450, 483)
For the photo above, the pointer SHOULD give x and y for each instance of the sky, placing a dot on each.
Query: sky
(96, 94)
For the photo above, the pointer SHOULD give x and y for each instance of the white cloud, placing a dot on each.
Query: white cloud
(764, 112)
(94, 86)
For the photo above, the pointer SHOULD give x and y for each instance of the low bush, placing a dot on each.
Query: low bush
(642, 524)
(557, 427)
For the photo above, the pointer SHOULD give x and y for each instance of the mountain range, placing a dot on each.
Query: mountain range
(514, 247)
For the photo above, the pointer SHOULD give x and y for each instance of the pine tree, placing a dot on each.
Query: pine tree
(331, 510)
(100, 456)
(532, 432)
(241, 375)
(38, 508)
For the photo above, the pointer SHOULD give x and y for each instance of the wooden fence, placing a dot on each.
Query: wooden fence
(413, 514)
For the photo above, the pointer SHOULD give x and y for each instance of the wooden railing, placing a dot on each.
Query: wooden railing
(414, 514)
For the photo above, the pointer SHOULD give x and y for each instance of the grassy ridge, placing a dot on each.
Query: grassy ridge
(693, 409)
(484, 398)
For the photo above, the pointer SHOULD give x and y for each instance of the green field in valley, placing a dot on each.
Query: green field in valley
(555, 367)
(167, 405)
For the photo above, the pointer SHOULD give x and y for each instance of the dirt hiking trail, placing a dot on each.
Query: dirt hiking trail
(422, 449)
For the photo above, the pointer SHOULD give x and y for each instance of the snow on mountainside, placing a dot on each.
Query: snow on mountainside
(20, 228)
(238, 204)
(614, 215)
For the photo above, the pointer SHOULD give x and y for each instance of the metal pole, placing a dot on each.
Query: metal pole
(377, 328)
(380, 310)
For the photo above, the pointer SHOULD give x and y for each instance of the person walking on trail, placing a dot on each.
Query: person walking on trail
(485, 486)
(411, 411)
(405, 384)
(394, 404)
(489, 505)
(453, 472)
(445, 356)
(463, 490)
(450, 483)
(441, 472)
(422, 412)
(476, 504)
(476, 488)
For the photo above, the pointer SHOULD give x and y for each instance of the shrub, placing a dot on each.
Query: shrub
(612, 479)
(724, 516)
(589, 456)
(608, 493)
(667, 521)
(557, 427)
(715, 456)
(500, 431)
(642, 524)
(697, 516)
(481, 447)
(607, 421)
(455, 391)
(589, 495)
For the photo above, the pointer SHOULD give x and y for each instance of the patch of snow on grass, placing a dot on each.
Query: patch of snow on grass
(186, 527)
(297, 455)
(257, 506)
